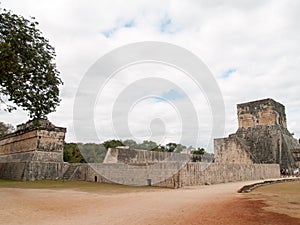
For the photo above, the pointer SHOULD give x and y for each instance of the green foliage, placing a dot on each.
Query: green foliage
(93, 153)
(112, 144)
(6, 128)
(131, 143)
(159, 148)
(72, 153)
(147, 145)
(171, 147)
(199, 151)
(82, 153)
(28, 74)
(179, 148)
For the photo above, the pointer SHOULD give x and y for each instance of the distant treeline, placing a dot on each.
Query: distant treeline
(95, 153)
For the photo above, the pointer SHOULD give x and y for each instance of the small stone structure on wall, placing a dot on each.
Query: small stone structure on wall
(262, 137)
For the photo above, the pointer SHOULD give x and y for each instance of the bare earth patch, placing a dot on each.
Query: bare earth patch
(215, 204)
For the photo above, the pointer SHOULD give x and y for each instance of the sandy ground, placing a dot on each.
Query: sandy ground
(215, 204)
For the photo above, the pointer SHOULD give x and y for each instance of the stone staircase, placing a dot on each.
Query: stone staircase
(69, 174)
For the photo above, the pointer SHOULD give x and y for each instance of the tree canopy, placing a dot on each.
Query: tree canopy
(112, 143)
(28, 75)
(82, 153)
(199, 151)
(72, 153)
(6, 128)
(95, 153)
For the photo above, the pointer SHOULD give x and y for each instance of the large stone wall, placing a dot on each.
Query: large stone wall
(29, 171)
(18, 143)
(141, 157)
(215, 173)
(232, 150)
(35, 151)
(172, 174)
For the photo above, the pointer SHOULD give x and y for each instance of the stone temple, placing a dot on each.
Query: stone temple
(262, 137)
(260, 147)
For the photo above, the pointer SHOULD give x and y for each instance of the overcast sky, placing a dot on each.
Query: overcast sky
(251, 47)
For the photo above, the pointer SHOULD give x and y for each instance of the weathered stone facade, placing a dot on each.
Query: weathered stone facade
(142, 157)
(41, 142)
(34, 151)
(171, 174)
(262, 137)
(232, 150)
(265, 112)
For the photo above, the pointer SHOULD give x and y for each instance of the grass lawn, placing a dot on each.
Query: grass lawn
(280, 197)
(74, 185)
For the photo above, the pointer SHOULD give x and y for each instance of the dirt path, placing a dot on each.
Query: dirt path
(215, 204)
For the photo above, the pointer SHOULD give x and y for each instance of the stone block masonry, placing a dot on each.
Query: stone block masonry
(34, 141)
(262, 137)
(172, 174)
(30, 171)
(261, 113)
(33, 152)
(262, 142)
(215, 173)
(142, 157)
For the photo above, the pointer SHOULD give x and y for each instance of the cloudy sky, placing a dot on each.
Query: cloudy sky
(251, 48)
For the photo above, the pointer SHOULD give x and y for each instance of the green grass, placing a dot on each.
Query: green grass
(281, 188)
(74, 185)
(283, 198)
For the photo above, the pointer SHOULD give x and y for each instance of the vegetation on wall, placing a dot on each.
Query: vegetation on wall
(95, 153)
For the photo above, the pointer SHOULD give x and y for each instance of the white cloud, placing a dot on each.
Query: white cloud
(257, 40)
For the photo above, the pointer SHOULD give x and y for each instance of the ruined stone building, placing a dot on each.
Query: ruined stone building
(261, 143)
(262, 137)
(34, 151)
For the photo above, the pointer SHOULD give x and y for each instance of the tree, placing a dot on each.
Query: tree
(112, 144)
(179, 148)
(6, 128)
(199, 151)
(171, 147)
(147, 145)
(28, 75)
(159, 148)
(131, 143)
(93, 153)
(72, 153)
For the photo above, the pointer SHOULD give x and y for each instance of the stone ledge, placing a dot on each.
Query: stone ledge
(250, 187)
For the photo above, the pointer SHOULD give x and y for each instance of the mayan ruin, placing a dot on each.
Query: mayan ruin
(149, 112)
(262, 137)
(260, 147)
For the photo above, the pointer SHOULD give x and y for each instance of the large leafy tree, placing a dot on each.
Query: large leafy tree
(147, 145)
(28, 74)
(171, 147)
(112, 143)
(6, 128)
(72, 153)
